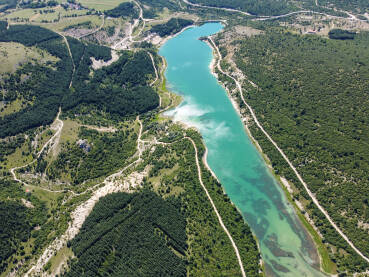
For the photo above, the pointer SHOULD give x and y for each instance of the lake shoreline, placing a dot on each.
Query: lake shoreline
(281, 180)
(238, 164)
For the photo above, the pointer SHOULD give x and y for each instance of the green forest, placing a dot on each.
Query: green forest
(169, 226)
(312, 97)
(357, 6)
(313, 101)
(124, 9)
(105, 153)
(138, 234)
(46, 89)
(171, 27)
(17, 221)
(341, 34)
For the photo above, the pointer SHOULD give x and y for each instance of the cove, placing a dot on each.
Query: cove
(286, 248)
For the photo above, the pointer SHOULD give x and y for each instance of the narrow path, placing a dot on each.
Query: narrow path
(208, 195)
(71, 57)
(50, 141)
(82, 211)
(216, 8)
(129, 38)
(139, 140)
(263, 18)
(216, 211)
(80, 214)
(156, 72)
(140, 17)
(312, 196)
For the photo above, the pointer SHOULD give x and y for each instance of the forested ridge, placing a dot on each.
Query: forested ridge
(313, 101)
(124, 9)
(46, 89)
(174, 25)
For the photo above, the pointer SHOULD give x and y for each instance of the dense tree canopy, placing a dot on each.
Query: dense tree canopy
(174, 25)
(47, 89)
(341, 34)
(124, 9)
(313, 100)
(129, 235)
(17, 221)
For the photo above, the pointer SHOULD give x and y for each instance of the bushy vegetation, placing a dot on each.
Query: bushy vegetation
(357, 6)
(38, 4)
(313, 101)
(174, 25)
(10, 146)
(104, 153)
(124, 9)
(255, 7)
(159, 5)
(341, 34)
(137, 234)
(27, 35)
(3, 26)
(173, 172)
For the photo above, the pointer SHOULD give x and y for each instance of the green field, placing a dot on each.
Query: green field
(101, 5)
(43, 14)
(13, 54)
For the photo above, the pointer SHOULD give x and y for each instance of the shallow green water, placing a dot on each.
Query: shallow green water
(285, 246)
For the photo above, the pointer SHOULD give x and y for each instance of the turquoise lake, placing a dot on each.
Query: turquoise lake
(286, 248)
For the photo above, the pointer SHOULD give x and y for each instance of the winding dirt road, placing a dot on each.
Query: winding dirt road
(156, 72)
(263, 18)
(312, 196)
(71, 56)
(217, 8)
(59, 127)
(216, 211)
(129, 39)
(80, 214)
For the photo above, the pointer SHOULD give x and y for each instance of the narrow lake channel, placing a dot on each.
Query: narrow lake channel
(286, 248)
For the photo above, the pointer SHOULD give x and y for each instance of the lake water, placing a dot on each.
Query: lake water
(286, 248)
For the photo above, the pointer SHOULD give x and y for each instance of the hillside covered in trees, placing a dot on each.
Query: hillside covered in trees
(129, 235)
(313, 101)
(171, 27)
(17, 221)
(46, 89)
(124, 9)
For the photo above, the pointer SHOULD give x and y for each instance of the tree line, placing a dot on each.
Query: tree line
(313, 101)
